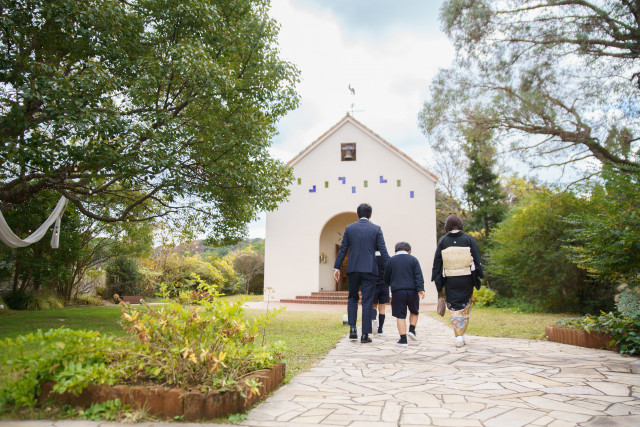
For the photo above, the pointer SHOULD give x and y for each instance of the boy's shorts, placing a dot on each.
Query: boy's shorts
(381, 295)
(403, 299)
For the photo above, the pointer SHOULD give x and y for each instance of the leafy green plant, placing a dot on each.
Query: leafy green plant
(103, 411)
(72, 359)
(483, 297)
(624, 330)
(629, 301)
(208, 343)
(23, 300)
(236, 418)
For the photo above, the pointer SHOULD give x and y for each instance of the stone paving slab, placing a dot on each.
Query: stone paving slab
(498, 382)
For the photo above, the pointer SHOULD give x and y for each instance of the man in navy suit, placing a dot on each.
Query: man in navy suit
(362, 239)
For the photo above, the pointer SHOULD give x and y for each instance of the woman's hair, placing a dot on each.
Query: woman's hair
(453, 222)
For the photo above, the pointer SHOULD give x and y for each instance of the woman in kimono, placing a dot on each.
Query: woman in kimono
(456, 270)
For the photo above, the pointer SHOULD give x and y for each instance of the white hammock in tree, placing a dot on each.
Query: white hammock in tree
(13, 241)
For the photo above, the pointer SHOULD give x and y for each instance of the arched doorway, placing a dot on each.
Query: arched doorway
(330, 239)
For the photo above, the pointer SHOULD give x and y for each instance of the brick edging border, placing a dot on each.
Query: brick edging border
(163, 402)
(579, 337)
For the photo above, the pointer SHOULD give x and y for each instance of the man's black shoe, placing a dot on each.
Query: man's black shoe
(365, 339)
(353, 333)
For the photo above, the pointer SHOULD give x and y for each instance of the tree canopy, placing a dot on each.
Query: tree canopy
(145, 108)
(557, 81)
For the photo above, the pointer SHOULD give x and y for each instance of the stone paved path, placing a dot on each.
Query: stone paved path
(497, 382)
(490, 382)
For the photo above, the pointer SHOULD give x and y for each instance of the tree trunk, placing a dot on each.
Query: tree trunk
(16, 274)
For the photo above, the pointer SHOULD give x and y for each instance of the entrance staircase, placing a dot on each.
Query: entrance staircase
(322, 297)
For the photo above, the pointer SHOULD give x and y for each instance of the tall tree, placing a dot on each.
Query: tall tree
(84, 243)
(249, 263)
(608, 233)
(558, 80)
(530, 256)
(482, 188)
(143, 108)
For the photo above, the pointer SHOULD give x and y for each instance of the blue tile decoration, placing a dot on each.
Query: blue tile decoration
(382, 180)
(313, 190)
(411, 194)
(343, 179)
(353, 189)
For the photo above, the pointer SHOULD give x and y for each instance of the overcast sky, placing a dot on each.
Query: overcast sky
(387, 50)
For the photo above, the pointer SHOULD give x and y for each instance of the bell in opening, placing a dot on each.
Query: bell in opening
(348, 152)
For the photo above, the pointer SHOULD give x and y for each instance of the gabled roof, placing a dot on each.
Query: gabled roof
(349, 119)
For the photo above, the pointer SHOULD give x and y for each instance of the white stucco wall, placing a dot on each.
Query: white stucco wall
(294, 232)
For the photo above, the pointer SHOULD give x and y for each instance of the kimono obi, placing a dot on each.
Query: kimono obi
(457, 261)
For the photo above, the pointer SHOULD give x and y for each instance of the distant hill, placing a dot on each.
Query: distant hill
(196, 247)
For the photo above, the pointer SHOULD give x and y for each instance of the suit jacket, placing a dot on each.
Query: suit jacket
(362, 239)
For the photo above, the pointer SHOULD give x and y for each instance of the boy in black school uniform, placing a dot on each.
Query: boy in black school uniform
(404, 275)
(380, 297)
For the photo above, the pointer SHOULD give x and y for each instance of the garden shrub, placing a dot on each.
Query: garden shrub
(629, 302)
(483, 297)
(73, 359)
(207, 344)
(123, 277)
(89, 300)
(19, 300)
(47, 301)
(23, 300)
(624, 330)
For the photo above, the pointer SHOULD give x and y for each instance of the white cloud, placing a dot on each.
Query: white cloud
(389, 63)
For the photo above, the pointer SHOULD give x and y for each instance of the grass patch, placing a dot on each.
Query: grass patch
(104, 319)
(501, 322)
(308, 336)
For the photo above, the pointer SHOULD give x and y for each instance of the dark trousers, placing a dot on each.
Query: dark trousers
(367, 282)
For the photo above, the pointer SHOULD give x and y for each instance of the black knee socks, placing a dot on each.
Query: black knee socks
(380, 322)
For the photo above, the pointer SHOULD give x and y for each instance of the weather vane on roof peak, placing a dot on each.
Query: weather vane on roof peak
(353, 110)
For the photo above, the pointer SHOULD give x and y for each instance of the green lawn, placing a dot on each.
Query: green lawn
(308, 336)
(103, 319)
(500, 322)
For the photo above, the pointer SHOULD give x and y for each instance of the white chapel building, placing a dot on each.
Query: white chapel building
(348, 165)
